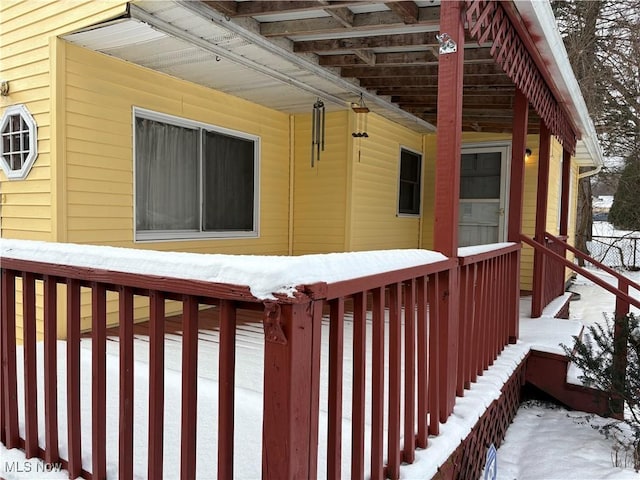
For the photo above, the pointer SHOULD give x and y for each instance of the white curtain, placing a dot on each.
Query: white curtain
(167, 177)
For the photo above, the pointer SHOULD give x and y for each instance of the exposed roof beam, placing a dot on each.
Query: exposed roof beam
(342, 15)
(248, 29)
(424, 82)
(426, 57)
(427, 39)
(408, 11)
(362, 71)
(253, 8)
(341, 18)
(366, 56)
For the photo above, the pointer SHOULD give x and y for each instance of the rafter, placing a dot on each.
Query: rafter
(426, 39)
(341, 18)
(408, 11)
(361, 71)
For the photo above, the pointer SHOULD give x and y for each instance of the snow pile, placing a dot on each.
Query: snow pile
(264, 275)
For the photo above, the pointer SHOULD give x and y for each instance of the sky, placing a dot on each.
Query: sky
(544, 442)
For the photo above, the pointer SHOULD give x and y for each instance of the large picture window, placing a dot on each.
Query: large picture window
(193, 180)
(409, 189)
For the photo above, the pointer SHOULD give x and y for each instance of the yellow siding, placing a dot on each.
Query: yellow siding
(26, 29)
(100, 95)
(320, 193)
(375, 223)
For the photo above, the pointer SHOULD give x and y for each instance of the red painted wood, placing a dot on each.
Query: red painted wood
(541, 221)
(314, 401)
(514, 312)
(189, 387)
(156, 384)
(290, 389)
(585, 273)
(564, 200)
(9, 386)
(377, 385)
(463, 350)
(226, 388)
(98, 380)
(73, 378)
(423, 366)
(359, 383)
(51, 453)
(447, 181)
(126, 420)
(473, 327)
(336, 348)
(30, 370)
(433, 288)
(448, 304)
(408, 450)
(395, 364)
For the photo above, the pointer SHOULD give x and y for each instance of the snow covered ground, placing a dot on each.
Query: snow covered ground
(543, 443)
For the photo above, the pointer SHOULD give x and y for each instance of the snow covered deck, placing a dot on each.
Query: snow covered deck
(358, 392)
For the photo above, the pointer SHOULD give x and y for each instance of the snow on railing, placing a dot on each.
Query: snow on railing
(391, 301)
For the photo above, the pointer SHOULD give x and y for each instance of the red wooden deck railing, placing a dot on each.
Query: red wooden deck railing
(407, 381)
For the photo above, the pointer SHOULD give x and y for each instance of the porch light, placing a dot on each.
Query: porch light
(527, 153)
(361, 110)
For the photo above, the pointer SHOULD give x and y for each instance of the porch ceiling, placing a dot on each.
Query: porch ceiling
(285, 54)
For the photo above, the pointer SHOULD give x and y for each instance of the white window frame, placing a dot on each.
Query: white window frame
(420, 182)
(179, 235)
(32, 154)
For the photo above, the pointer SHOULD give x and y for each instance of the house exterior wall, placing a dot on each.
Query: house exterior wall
(375, 223)
(99, 100)
(27, 39)
(320, 192)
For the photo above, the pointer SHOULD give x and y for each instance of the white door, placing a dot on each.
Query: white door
(483, 187)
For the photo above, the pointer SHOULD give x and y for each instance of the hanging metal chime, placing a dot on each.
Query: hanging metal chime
(317, 131)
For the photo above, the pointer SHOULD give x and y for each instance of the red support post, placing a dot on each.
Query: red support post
(73, 378)
(51, 453)
(30, 369)
(447, 193)
(226, 388)
(336, 348)
(98, 380)
(541, 221)
(359, 384)
(125, 422)
(408, 451)
(377, 385)
(189, 387)
(291, 389)
(564, 201)
(156, 384)
(9, 379)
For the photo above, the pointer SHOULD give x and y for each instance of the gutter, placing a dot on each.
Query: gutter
(590, 173)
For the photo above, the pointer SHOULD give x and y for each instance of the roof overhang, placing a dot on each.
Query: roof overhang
(242, 56)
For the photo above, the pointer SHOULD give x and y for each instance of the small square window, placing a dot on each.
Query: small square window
(18, 148)
(409, 189)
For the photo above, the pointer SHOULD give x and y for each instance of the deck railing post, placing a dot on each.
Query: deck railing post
(291, 390)
(620, 339)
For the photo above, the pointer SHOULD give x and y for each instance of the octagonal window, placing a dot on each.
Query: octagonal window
(18, 148)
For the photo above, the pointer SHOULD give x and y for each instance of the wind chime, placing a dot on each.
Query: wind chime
(317, 131)
(361, 111)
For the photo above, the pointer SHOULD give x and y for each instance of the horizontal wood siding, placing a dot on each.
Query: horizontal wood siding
(101, 93)
(376, 168)
(320, 193)
(26, 29)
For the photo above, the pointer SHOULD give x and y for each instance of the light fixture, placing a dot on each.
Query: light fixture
(527, 152)
(4, 88)
(361, 110)
(317, 131)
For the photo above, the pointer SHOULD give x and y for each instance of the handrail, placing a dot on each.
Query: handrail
(594, 262)
(585, 273)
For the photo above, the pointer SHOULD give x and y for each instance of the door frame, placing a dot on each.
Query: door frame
(504, 147)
